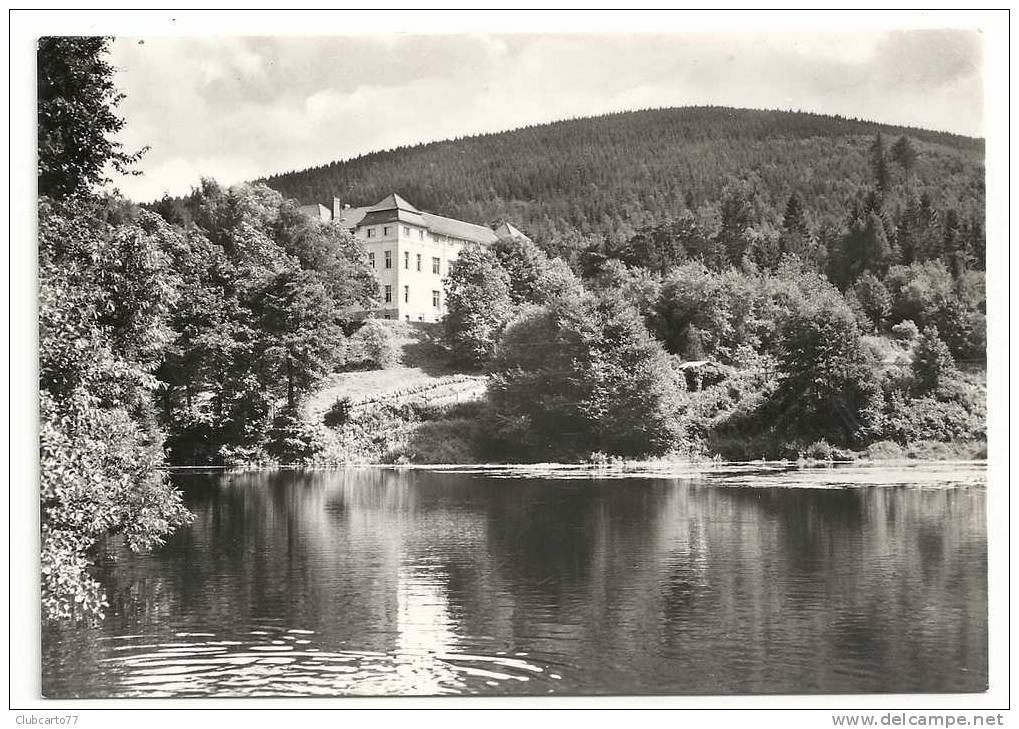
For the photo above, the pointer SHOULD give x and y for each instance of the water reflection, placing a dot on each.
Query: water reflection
(379, 581)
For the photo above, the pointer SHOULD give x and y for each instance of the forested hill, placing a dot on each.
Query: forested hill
(614, 174)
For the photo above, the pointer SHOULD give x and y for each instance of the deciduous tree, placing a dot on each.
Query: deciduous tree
(77, 116)
(478, 304)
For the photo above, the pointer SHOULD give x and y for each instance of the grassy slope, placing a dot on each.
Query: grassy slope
(423, 376)
(424, 373)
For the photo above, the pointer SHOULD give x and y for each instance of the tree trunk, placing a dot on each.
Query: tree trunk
(290, 384)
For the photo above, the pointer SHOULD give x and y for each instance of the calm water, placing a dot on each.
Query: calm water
(383, 581)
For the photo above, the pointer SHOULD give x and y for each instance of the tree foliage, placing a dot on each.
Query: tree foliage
(478, 303)
(266, 294)
(874, 299)
(373, 342)
(904, 154)
(583, 374)
(879, 163)
(77, 117)
(932, 364)
(301, 339)
(104, 294)
(826, 378)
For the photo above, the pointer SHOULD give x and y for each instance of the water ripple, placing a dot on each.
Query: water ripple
(287, 665)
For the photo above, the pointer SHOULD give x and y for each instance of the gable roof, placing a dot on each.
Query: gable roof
(508, 230)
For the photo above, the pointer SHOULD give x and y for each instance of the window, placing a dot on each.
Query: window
(389, 259)
(385, 230)
(407, 317)
(406, 294)
(389, 294)
(435, 299)
(435, 265)
(371, 232)
(406, 259)
(421, 235)
(419, 261)
(371, 259)
(406, 230)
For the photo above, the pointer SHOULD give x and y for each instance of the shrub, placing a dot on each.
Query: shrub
(962, 329)
(374, 343)
(440, 441)
(338, 413)
(933, 365)
(926, 418)
(927, 450)
(818, 451)
(231, 454)
(905, 330)
(885, 450)
(291, 439)
(843, 455)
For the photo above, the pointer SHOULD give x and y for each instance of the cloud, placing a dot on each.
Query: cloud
(237, 108)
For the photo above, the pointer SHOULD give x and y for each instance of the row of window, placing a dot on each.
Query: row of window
(388, 261)
(438, 237)
(421, 317)
(370, 232)
(406, 296)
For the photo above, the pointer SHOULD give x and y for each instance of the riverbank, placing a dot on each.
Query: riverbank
(418, 433)
(424, 410)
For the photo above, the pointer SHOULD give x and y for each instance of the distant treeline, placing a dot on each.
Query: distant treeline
(608, 177)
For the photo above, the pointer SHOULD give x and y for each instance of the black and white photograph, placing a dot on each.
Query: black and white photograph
(377, 356)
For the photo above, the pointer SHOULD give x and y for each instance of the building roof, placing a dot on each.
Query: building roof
(508, 230)
(316, 210)
(395, 208)
(459, 229)
(393, 202)
(350, 217)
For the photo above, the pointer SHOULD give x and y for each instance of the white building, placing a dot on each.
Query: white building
(410, 250)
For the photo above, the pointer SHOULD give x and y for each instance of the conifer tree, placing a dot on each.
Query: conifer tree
(879, 163)
(904, 154)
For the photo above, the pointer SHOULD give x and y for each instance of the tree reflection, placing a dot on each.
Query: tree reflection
(621, 586)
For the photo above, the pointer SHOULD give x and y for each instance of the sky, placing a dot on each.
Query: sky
(237, 108)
